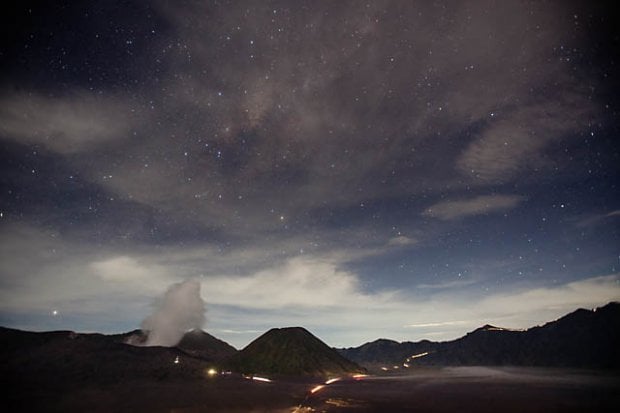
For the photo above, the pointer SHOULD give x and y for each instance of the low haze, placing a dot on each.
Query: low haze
(392, 169)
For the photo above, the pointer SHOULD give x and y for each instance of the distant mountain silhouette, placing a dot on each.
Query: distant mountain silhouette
(291, 351)
(66, 356)
(584, 338)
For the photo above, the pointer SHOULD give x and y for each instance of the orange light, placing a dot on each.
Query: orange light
(317, 388)
(330, 381)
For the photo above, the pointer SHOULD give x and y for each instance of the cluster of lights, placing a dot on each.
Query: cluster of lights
(302, 409)
(406, 363)
(333, 380)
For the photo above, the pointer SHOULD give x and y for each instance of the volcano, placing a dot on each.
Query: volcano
(291, 351)
(197, 343)
(201, 344)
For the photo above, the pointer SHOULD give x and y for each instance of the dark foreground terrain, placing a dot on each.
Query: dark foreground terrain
(473, 389)
(462, 389)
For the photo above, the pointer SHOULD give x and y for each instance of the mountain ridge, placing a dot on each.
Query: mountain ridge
(582, 338)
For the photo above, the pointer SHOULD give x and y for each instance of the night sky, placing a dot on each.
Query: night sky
(373, 169)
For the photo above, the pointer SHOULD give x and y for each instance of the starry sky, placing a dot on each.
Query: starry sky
(364, 169)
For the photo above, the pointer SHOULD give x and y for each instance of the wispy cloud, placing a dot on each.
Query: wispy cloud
(402, 240)
(484, 204)
(304, 282)
(439, 324)
(596, 219)
(514, 139)
(66, 124)
(448, 284)
(124, 270)
(228, 331)
(555, 298)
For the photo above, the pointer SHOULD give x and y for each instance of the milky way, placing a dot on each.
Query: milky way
(364, 169)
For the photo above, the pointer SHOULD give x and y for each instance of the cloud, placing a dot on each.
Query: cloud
(514, 140)
(448, 284)
(401, 241)
(439, 324)
(596, 219)
(484, 204)
(555, 299)
(455, 314)
(41, 270)
(302, 282)
(228, 331)
(123, 269)
(65, 124)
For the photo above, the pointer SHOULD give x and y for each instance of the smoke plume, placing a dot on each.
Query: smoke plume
(179, 310)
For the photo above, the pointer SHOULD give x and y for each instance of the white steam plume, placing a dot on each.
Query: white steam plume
(179, 310)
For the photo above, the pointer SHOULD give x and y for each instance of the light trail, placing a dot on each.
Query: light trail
(415, 356)
(263, 379)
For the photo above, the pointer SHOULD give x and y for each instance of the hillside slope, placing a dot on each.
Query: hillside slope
(291, 351)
